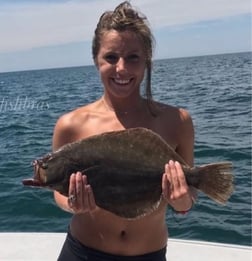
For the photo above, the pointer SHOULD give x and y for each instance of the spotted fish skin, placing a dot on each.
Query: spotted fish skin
(125, 170)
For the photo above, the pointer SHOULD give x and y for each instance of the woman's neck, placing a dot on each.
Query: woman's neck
(123, 106)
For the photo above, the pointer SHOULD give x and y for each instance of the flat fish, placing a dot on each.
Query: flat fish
(124, 169)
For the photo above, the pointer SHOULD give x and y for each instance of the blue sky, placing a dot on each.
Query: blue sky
(58, 33)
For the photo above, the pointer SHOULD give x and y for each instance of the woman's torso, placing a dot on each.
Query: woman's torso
(101, 229)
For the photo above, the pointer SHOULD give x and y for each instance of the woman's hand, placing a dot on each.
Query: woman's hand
(81, 197)
(175, 189)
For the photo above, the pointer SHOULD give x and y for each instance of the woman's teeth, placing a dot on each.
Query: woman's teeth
(121, 81)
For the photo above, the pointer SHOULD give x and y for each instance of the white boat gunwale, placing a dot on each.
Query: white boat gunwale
(18, 246)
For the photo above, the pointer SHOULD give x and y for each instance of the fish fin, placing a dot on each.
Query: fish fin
(216, 180)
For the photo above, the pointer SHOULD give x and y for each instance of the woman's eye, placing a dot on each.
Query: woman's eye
(133, 58)
(110, 58)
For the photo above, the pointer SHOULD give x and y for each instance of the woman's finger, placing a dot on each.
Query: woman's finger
(85, 194)
(174, 176)
(79, 190)
(180, 174)
(91, 199)
(71, 191)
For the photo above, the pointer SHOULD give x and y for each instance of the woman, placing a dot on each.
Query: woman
(122, 52)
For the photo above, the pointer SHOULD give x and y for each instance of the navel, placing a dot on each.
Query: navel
(123, 234)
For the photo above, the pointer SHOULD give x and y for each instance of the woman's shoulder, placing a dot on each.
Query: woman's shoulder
(70, 119)
(170, 112)
(76, 117)
(70, 124)
(176, 126)
(175, 120)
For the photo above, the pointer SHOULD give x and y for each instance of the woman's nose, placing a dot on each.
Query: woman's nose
(121, 65)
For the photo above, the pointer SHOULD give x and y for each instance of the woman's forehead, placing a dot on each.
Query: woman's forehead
(126, 40)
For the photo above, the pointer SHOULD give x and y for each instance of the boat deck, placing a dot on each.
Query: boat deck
(46, 247)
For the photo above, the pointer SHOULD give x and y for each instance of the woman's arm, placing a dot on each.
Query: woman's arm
(175, 189)
(81, 193)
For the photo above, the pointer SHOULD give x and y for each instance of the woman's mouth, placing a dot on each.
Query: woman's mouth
(121, 81)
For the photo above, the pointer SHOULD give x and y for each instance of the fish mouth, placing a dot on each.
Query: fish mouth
(32, 182)
(37, 180)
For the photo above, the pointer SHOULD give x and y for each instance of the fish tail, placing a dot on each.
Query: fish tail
(215, 180)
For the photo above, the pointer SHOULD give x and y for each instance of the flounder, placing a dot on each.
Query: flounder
(125, 171)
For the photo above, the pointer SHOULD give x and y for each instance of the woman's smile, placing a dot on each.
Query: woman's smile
(121, 81)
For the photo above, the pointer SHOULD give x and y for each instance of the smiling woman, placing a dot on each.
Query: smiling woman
(122, 53)
(124, 41)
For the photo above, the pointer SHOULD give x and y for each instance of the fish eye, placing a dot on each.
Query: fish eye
(44, 165)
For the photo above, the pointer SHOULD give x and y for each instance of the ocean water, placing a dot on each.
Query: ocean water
(215, 89)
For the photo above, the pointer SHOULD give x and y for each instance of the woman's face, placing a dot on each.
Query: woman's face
(121, 62)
